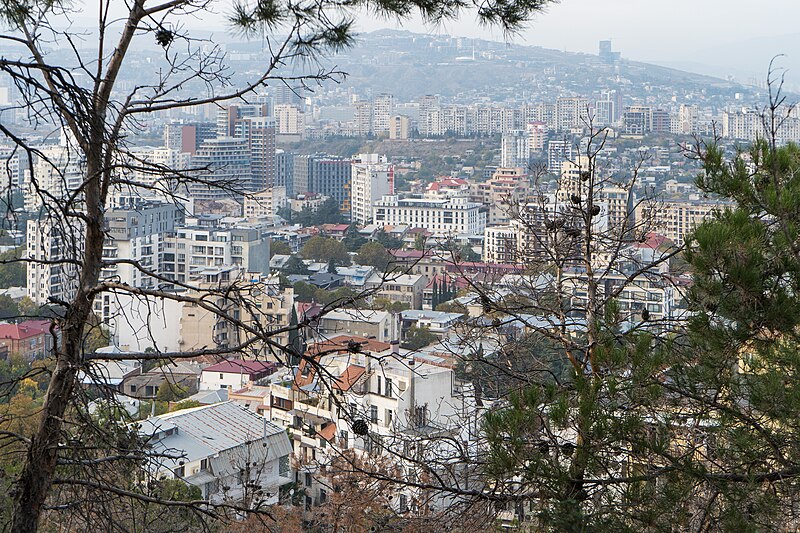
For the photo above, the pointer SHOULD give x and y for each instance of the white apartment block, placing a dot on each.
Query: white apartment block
(501, 244)
(57, 174)
(515, 149)
(227, 160)
(748, 124)
(448, 216)
(52, 242)
(198, 248)
(676, 218)
(382, 111)
(372, 177)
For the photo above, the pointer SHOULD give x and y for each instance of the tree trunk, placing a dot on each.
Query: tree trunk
(39, 470)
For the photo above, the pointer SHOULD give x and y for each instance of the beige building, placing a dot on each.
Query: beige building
(265, 203)
(372, 177)
(399, 127)
(402, 288)
(676, 218)
(267, 308)
(506, 187)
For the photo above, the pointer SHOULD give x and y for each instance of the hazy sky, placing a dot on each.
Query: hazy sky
(714, 36)
(729, 36)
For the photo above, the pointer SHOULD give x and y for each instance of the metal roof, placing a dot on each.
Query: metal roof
(221, 426)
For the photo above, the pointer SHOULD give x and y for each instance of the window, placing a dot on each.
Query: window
(203, 464)
(283, 466)
(403, 503)
(179, 472)
(389, 417)
(344, 437)
(379, 385)
(389, 387)
(323, 496)
(308, 479)
(373, 413)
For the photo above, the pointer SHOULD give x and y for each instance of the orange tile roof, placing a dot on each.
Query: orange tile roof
(349, 377)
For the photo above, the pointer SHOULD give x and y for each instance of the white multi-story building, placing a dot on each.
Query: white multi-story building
(515, 149)
(52, 249)
(447, 216)
(197, 248)
(56, 173)
(382, 111)
(228, 452)
(537, 136)
(371, 178)
(227, 160)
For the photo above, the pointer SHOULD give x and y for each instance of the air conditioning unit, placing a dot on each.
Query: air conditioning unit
(401, 386)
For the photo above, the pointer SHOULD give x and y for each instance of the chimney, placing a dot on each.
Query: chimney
(395, 347)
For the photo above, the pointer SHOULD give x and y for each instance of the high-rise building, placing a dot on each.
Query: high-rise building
(382, 111)
(688, 120)
(227, 171)
(290, 121)
(399, 127)
(558, 151)
(637, 120)
(323, 174)
(188, 137)
(259, 132)
(284, 171)
(572, 113)
(372, 177)
(515, 149)
(54, 248)
(537, 135)
(362, 118)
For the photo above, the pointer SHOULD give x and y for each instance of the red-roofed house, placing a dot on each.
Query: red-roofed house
(235, 374)
(31, 339)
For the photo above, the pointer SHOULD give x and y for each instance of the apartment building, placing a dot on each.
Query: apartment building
(265, 204)
(448, 216)
(506, 189)
(401, 288)
(372, 177)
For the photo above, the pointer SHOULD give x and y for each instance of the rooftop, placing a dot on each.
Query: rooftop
(238, 366)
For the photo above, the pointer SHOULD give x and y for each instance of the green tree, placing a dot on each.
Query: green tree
(325, 249)
(387, 241)
(373, 254)
(171, 392)
(279, 247)
(353, 240)
(419, 337)
(8, 307)
(295, 266)
(12, 274)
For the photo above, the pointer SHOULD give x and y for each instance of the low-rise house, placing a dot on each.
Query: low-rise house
(30, 339)
(380, 325)
(235, 374)
(182, 375)
(230, 453)
(437, 322)
(356, 275)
